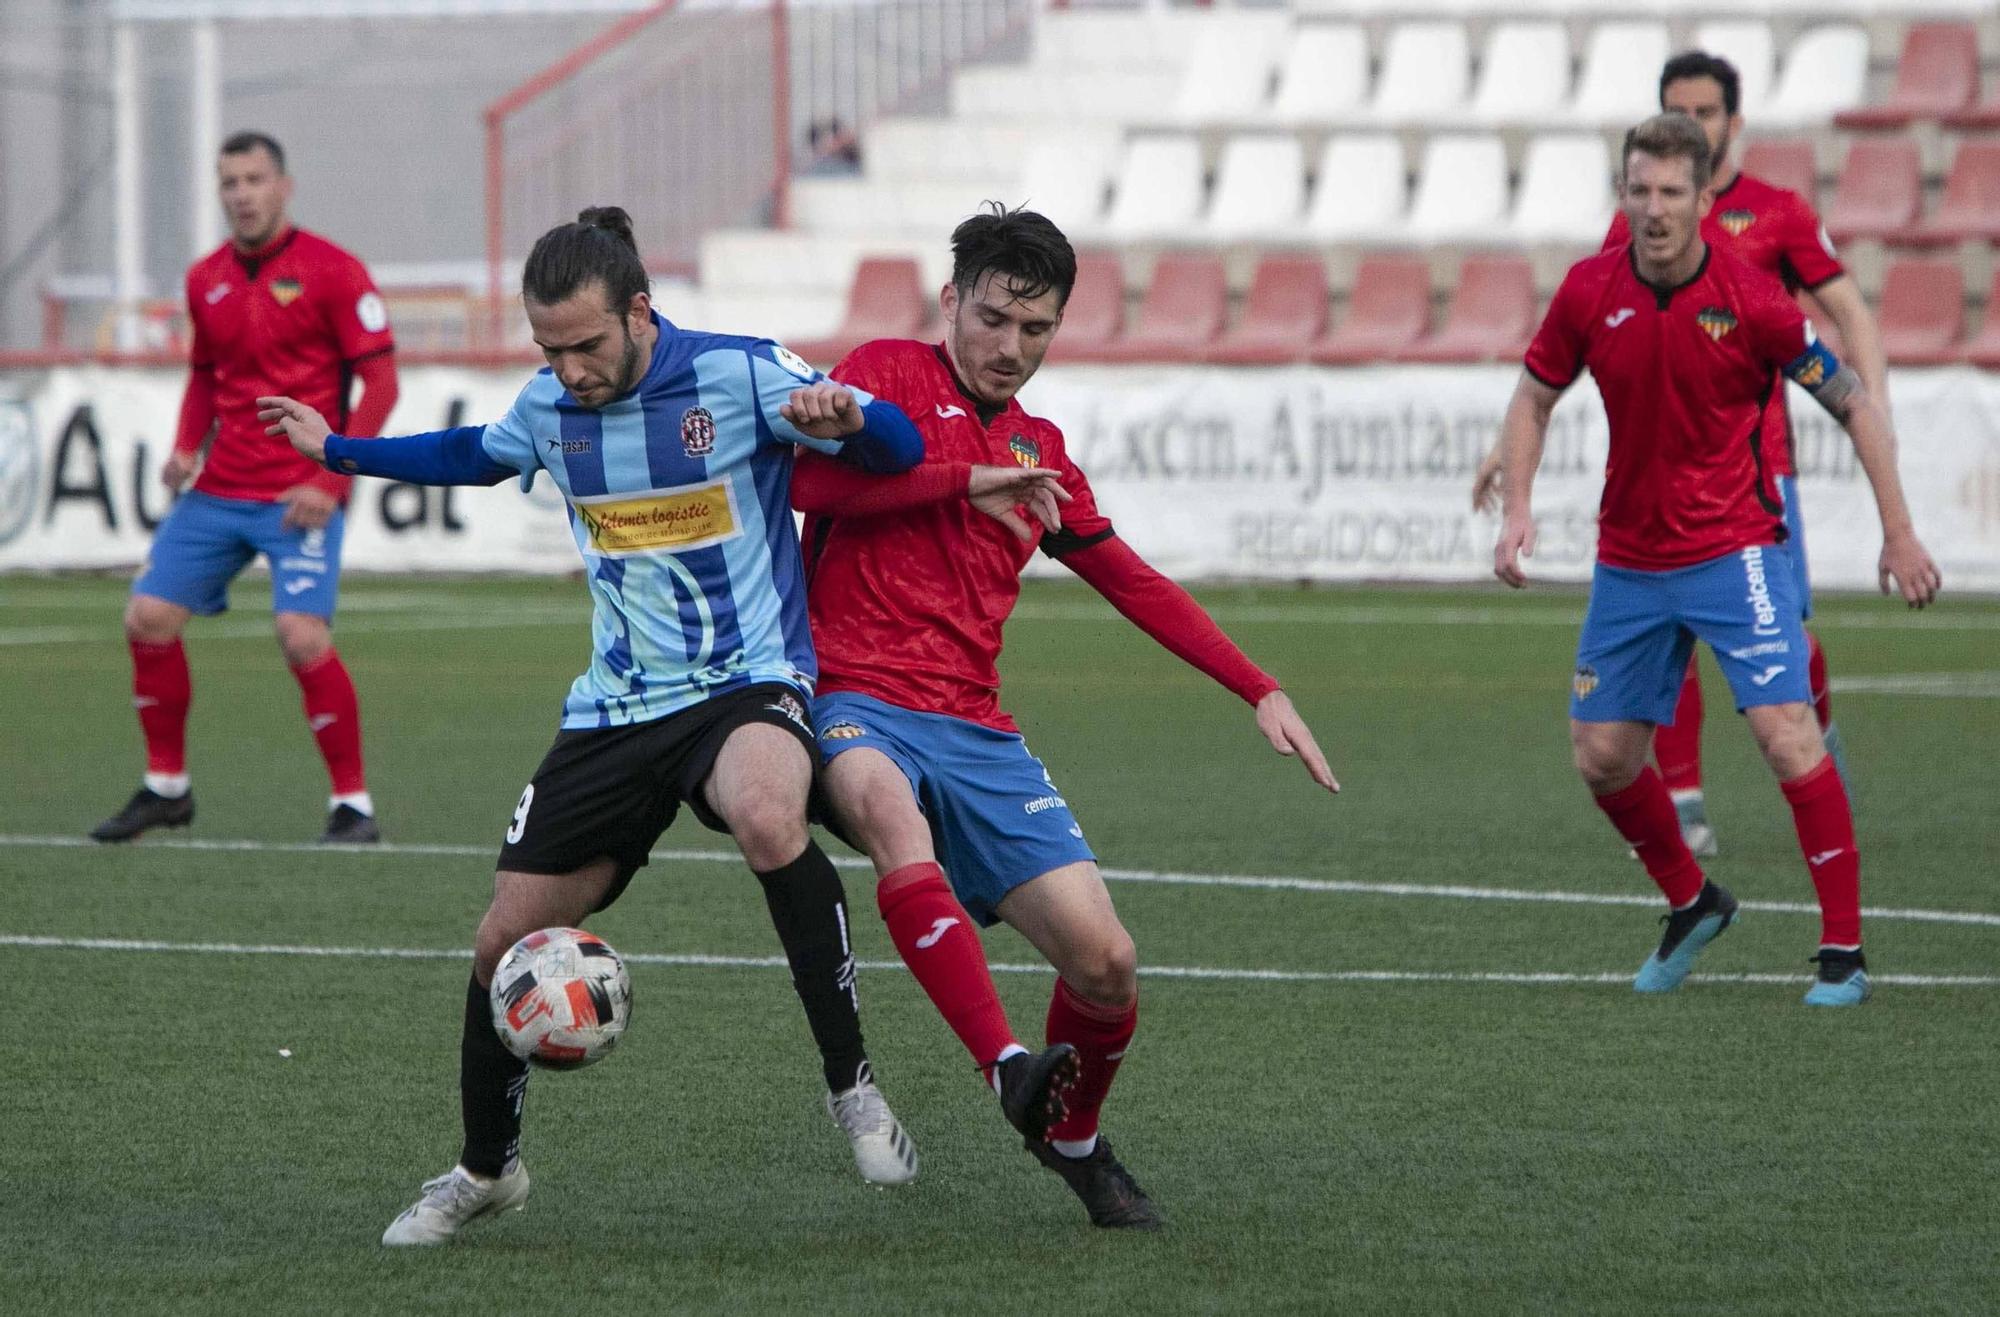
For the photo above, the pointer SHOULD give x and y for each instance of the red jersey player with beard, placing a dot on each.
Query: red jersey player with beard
(275, 310)
(909, 582)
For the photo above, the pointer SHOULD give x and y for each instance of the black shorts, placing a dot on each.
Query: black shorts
(609, 792)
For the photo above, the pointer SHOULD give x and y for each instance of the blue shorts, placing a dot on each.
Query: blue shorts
(1641, 627)
(205, 541)
(1795, 526)
(996, 819)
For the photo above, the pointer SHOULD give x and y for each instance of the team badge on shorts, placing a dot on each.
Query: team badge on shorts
(789, 706)
(1025, 450)
(843, 732)
(697, 432)
(1584, 682)
(1716, 322)
(1734, 222)
(286, 291)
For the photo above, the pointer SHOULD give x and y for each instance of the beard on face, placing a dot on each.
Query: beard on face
(628, 364)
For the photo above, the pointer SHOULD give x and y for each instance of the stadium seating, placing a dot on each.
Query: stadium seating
(1880, 190)
(1425, 68)
(1620, 83)
(1922, 312)
(1981, 117)
(1786, 162)
(1283, 315)
(1260, 189)
(1565, 191)
(1362, 189)
(1324, 77)
(1525, 77)
(1183, 311)
(1159, 190)
(1492, 314)
(1388, 311)
(1970, 206)
(1937, 75)
(1228, 78)
(1825, 72)
(1461, 193)
(1984, 350)
(1748, 44)
(1067, 175)
(886, 300)
(1095, 312)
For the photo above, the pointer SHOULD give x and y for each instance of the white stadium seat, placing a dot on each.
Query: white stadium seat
(1066, 176)
(1159, 189)
(1260, 188)
(1461, 192)
(1424, 73)
(1747, 44)
(1620, 83)
(1826, 70)
(1325, 74)
(1228, 79)
(1361, 191)
(1565, 191)
(1526, 74)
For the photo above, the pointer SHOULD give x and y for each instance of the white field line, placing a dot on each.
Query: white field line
(1945, 685)
(1511, 978)
(1254, 882)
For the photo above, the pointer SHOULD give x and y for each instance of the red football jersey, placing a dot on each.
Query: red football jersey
(1686, 374)
(1776, 231)
(909, 608)
(291, 320)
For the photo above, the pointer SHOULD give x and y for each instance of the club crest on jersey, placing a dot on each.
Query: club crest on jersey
(1734, 222)
(697, 432)
(843, 732)
(1585, 682)
(1716, 322)
(286, 291)
(1025, 450)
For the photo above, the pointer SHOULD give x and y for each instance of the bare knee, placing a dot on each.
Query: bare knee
(1105, 972)
(1789, 738)
(150, 621)
(495, 937)
(303, 638)
(1607, 761)
(769, 830)
(882, 817)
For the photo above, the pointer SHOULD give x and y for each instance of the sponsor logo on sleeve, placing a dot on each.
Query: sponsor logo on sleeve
(675, 520)
(793, 362)
(372, 313)
(697, 432)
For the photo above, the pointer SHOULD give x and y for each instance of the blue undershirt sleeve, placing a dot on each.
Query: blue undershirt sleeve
(887, 442)
(441, 457)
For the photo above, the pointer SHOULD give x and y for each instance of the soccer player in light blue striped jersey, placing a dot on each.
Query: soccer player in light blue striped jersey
(673, 451)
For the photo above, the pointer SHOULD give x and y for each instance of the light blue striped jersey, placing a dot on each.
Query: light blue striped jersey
(679, 498)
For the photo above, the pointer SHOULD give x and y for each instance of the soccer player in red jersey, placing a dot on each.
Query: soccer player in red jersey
(909, 582)
(1687, 344)
(275, 310)
(1777, 231)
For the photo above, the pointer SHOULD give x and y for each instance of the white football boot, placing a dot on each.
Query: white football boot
(882, 1151)
(453, 1201)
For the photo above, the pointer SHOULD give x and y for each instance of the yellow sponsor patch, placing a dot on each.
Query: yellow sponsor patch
(691, 517)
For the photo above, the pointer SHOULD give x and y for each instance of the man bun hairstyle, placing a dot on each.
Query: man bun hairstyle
(1667, 137)
(249, 140)
(1701, 64)
(1024, 246)
(598, 246)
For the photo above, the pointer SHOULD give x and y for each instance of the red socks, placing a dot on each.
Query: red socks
(334, 714)
(937, 940)
(1100, 1035)
(1677, 747)
(1644, 815)
(161, 692)
(1822, 698)
(1825, 825)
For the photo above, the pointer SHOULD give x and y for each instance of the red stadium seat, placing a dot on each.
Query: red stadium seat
(1389, 309)
(1880, 191)
(1282, 317)
(1492, 313)
(1182, 313)
(1785, 162)
(1984, 350)
(1922, 312)
(1984, 115)
(1095, 311)
(1937, 75)
(1970, 206)
(886, 300)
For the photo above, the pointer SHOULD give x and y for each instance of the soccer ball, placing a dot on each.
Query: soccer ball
(561, 998)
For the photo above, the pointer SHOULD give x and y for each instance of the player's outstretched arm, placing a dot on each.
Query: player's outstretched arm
(1289, 735)
(876, 436)
(1522, 435)
(828, 487)
(1839, 389)
(441, 457)
(1860, 337)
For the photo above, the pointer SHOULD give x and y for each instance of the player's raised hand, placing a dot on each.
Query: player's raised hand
(825, 410)
(306, 428)
(1517, 541)
(1486, 483)
(1004, 493)
(307, 507)
(1908, 565)
(1289, 735)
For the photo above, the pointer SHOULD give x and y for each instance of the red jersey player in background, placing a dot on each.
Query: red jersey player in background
(909, 582)
(275, 311)
(1687, 344)
(1776, 231)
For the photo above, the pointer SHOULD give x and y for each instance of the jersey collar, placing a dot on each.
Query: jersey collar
(984, 411)
(1663, 294)
(253, 261)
